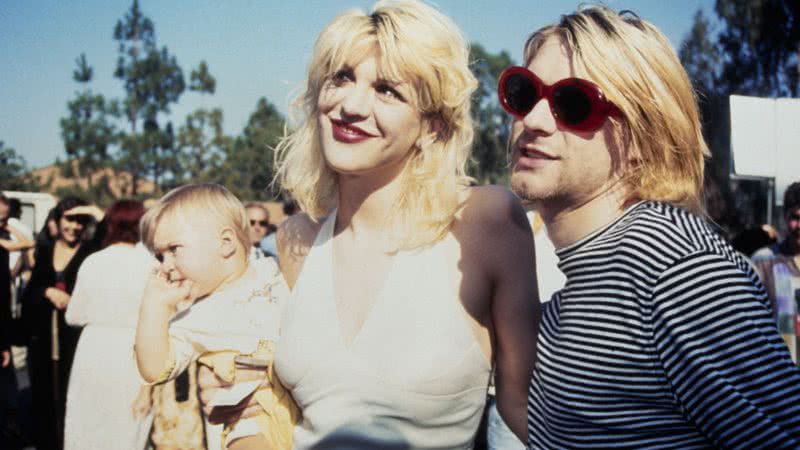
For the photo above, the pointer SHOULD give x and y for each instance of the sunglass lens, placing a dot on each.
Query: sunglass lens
(572, 104)
(520, 94)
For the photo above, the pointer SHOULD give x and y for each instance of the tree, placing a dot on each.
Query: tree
(248, 169)
(489, 162)
(201, 80)
(87, 131)
(202, 143)
(202, 146)
(760, 43)
(14, 171)
(755, 53)
(153, 80)
(700, 56)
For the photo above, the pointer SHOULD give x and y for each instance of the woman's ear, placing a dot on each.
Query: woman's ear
(434, 129)
(228, 242)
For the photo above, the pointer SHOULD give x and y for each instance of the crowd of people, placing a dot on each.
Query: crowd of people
(403, 305)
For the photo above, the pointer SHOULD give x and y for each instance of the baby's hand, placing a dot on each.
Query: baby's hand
(161, 290)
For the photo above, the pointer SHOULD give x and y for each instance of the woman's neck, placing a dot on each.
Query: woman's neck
(366, 204)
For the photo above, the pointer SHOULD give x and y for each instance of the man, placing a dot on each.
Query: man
(789, 247)
(662, 335)
(778, 265)
(259, 228)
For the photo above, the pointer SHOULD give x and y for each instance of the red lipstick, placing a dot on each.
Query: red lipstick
(348, 133)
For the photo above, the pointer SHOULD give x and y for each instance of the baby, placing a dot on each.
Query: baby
(206, 301)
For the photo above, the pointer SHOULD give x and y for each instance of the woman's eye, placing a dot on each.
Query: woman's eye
(387, 90)
(342, 76)
(173, 249)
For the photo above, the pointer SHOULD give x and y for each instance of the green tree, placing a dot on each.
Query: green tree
(249, 161)
(14, 175)
(202, 143)
(153, 80)
(700, 56)
(492, 125)
(201, 80)
(202, 146)
(760, 43)
(88, 131)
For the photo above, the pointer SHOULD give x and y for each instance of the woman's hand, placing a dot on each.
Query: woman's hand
(142, 402)
(86, 210)
(57, 297)
(6, 358)
(209, 384)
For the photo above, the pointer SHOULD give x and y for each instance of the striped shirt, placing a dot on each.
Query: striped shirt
(662, 338)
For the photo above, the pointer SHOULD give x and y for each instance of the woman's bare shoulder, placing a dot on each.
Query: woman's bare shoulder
(295, 237)
(485, 208)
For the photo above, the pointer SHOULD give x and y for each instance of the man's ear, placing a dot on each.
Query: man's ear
(228, 242)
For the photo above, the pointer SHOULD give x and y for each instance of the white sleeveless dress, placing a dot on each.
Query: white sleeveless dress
(415, 366)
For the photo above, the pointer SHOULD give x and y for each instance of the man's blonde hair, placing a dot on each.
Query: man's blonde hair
(201, 200)
(421, 46)
(638, 70)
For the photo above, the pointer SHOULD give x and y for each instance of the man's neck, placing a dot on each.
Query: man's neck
(571, 223)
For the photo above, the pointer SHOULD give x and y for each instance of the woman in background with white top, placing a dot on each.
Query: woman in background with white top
(107, 406)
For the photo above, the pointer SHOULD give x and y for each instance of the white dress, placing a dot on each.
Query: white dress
(415, 367)
(105, 381)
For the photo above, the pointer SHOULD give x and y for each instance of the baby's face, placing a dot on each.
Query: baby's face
(188, 249)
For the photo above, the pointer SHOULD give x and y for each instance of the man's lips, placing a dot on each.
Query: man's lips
(535, 153)
(346, 132)
(532, 158)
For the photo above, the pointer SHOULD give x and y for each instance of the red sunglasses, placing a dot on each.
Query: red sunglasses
(577, 104)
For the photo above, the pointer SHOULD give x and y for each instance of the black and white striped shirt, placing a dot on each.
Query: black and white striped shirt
(662, 338)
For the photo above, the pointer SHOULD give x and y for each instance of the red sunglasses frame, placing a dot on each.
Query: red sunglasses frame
(600, 110)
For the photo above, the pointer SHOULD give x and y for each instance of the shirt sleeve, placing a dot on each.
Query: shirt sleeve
(727, 366)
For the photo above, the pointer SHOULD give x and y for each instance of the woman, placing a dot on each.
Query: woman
(52, 342)
(408, 286)
(105, 303)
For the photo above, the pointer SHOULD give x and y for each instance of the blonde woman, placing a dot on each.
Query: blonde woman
(408, 285)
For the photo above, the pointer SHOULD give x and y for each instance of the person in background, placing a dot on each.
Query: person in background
(662, 336)
(786, 252)
(258, 217)
(269, 244)
(51, 342)
(105, 303)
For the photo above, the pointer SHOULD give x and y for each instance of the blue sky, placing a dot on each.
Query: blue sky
(253, 48)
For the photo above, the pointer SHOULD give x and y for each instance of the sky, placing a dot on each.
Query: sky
(253, 48)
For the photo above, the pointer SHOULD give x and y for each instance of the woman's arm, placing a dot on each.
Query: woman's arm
(504, 243)
(20, 242)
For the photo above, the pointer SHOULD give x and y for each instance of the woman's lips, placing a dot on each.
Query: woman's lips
(347, 133)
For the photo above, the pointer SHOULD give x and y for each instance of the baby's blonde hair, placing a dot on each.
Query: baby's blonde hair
(639, 71)
(417, 44)
(205, 199)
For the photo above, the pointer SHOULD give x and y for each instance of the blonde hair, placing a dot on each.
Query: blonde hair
(638, 70)
(203, 199)
(418, 44)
